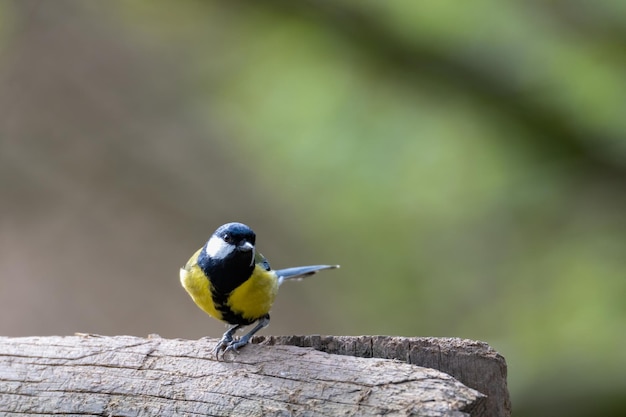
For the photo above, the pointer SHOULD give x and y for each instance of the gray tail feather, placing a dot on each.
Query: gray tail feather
(300, 272)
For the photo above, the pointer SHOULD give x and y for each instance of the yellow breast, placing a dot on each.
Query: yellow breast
(197, 286)
(254, 298)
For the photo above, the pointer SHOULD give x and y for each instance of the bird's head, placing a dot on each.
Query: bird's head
(231, 241)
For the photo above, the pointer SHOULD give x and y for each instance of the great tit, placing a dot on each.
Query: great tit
(232, 282)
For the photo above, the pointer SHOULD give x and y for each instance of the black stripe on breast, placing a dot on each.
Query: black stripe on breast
(225, 276)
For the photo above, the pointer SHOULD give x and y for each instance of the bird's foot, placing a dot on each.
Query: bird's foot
(236, 344)
(224, 346)
(228, 344)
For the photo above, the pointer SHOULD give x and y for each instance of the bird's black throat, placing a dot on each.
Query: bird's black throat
(225, 276)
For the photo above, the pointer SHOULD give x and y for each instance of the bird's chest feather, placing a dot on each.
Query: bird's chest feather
(254, 298)
(198, 287)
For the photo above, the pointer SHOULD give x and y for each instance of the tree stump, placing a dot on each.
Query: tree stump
(91, 375)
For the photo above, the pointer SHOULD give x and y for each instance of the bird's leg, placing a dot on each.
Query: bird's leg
(234, 345)
(226, 340)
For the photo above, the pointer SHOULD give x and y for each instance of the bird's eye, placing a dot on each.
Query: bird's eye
(228, 238)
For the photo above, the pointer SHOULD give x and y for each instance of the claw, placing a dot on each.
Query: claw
(221, 345)
(232, 346)
(235, 345)
(225, 342)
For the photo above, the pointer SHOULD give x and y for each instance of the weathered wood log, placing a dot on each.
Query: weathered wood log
(475, 364)
(131, 376)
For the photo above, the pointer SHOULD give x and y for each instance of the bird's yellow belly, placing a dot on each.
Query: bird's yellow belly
(197, 286)
(254, 298)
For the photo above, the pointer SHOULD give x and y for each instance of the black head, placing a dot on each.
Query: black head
(228, 257)
(237, 234)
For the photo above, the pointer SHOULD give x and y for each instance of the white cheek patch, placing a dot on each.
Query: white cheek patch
(218, 249)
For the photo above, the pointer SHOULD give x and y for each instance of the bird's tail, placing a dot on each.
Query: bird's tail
(300, 272)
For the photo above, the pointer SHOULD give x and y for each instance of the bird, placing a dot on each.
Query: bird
(232, 282)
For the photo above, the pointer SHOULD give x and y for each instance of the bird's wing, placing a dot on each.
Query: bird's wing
(300, 272)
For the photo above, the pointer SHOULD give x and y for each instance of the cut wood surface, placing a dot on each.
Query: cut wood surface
(130, 376)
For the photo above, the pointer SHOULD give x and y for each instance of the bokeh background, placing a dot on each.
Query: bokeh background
(466, 165)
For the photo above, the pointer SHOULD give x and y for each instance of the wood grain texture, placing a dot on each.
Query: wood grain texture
(90, 375)
(473, 363)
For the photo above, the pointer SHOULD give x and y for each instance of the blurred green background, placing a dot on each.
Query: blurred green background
(465, 164)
